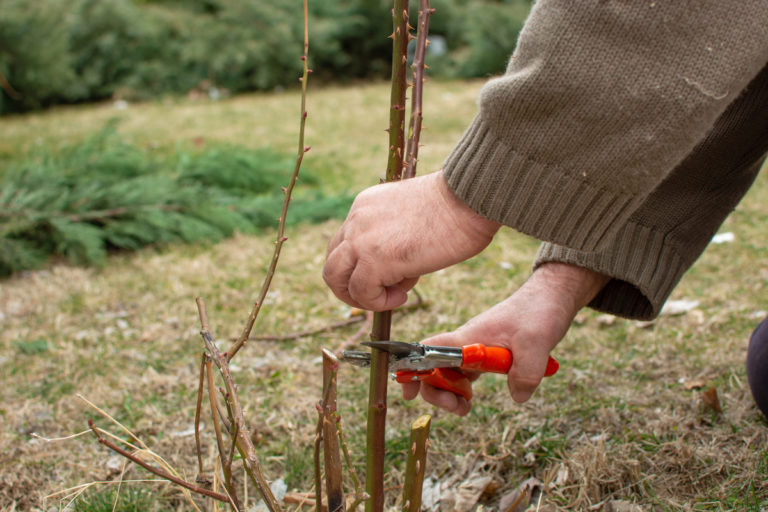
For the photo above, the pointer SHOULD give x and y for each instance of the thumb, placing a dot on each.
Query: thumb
(528, 367)
(447, 339)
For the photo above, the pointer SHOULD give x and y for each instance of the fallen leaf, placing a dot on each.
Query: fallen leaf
(722, 238)
(430, 494)
(606, 320)
(562, 476)
(693, 384)
(710, 401)
(528, 493)
(469, 492)
(678, 307)
(622, 506)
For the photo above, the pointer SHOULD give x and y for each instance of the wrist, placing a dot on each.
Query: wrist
(572, 286)
(463, 214)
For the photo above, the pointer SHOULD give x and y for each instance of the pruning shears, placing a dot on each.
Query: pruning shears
(440, 366)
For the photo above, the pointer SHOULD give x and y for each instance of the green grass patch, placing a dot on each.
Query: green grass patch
(127, 500)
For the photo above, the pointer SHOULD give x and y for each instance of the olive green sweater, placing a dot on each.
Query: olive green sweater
(622, 134)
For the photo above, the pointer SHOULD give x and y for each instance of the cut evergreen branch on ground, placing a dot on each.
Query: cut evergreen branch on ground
(106, 194)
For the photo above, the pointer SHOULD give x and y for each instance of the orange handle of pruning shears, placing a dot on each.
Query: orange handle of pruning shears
(478, 358)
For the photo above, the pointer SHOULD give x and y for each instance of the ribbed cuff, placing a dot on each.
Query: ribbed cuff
(644, 269)
(536, 199)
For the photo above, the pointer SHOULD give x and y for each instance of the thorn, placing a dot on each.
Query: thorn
(301, 79)
(428, 42)
(391, 36)
(411, 37)
(304, 115)
(307, 148)
(284, 189)
(309, 71)
(405, 59)
(303, 58)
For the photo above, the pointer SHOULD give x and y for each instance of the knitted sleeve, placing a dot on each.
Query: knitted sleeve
(601, 100)
(649, 254)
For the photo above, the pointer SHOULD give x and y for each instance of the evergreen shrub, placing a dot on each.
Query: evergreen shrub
(60, 51)
(105, 194)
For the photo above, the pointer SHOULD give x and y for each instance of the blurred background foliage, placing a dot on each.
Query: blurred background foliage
(69, 51)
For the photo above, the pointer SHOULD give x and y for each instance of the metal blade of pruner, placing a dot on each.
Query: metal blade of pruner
(407, 356)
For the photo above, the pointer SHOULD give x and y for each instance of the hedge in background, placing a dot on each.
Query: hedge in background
(64, 51)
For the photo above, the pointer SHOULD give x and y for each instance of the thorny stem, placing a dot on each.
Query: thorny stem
(331, 454)
(8, 88)
(318, 442)
(198, 409)
(377, 394)
(416, 464)
(360, 496)
(242, 439)
(414, 127)
(154, 470)
(316, 460)
(280, 239)
(377, 415)
(405, 308)
(226, 468)
(400, 36)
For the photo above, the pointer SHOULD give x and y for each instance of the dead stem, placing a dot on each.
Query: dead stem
(156, 471)
(198, 409)
(242, 439)
(225, 467)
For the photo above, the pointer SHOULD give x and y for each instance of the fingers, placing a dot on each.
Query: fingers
(371, 289)
(361, 283)
(337, 274)
(444, 399)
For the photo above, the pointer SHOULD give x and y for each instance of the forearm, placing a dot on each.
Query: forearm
(599, 103)
(662, 239)
(570, 286)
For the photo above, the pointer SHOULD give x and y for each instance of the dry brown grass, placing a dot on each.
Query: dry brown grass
(617, 423)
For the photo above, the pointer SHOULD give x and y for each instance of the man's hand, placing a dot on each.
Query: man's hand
(396, 232)
(529, 323)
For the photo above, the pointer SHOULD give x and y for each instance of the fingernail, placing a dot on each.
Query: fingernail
(521, 396)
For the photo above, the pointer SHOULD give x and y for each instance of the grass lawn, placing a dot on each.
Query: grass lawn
(623, 420)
